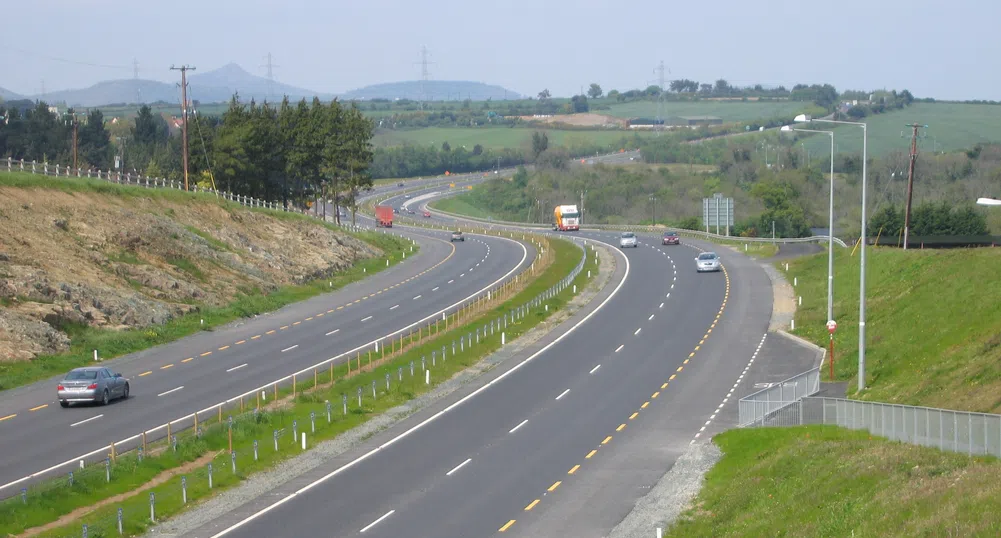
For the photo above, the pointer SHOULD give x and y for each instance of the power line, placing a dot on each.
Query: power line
(64, 60)
(135, 78)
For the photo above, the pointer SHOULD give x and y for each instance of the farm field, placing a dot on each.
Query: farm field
(729, 111)
(951, 126)
(499, 137)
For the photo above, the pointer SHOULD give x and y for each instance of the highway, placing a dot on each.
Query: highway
(175, 380)
(566, 435)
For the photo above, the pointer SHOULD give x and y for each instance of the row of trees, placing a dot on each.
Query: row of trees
(303, 151)
(929, 219)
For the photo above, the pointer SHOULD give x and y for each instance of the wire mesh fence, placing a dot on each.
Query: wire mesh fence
(220, 444)
(761, 408)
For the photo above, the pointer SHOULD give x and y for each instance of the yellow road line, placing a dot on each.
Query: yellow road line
(43, 406)
(241, 342)
(620, 428)
(590, 454)
(506, 526)
(8, 417)
(645, 404)
(553, 487)
(531, 505)
(341, 307)
(607, 439)
(206, 354)
(672, 377)
(282, 328)
(272, 331)
(320, 315)
(573, 469)
(634, 415)
(296, 323)
(692, 354)
(146, 373)
(255, 337)
(310, 318)
(189, 359)
(680, 368)
(171, 365)
(664, 386)
(655, 394)
(331, 311)
(223, 348)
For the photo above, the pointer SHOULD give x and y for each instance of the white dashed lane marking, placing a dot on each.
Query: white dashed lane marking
(290, 348)
(236, 367)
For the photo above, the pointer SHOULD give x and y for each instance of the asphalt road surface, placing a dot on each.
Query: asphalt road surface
(563, 444)
(189, 375)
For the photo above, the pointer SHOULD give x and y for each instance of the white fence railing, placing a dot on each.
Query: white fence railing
(762, 406)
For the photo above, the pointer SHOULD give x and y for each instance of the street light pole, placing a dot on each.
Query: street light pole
(830, 228)
(861, 320)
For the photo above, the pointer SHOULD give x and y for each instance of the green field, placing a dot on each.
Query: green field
(729, 111)
(951, 126)
(813, 481)
(498, 137)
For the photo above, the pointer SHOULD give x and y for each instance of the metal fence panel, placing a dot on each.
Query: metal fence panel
(759, 406)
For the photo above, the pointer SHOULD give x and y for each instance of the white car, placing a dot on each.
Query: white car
(628, 239)
(708, 262)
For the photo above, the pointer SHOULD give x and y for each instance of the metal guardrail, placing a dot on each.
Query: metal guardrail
(760, 407)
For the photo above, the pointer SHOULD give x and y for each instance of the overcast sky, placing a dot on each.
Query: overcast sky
(941, 49)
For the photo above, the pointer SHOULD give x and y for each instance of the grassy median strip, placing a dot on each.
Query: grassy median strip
(327, 400)
(827, 481)
(112, 343)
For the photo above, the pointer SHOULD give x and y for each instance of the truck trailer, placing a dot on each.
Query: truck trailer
(383, 216)
(566, 218)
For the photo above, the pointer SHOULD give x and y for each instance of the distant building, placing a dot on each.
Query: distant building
(692, 121)
(54, 110)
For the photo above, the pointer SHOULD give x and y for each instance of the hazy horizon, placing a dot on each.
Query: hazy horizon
(931, 49)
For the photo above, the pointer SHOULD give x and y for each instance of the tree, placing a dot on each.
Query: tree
(540, 143)
(94, 141)
(594, 91)
(544, 95)
(614, 94)
(578, 104)
(477, 149)
(722, 87)
(445, 147)
(149, 129)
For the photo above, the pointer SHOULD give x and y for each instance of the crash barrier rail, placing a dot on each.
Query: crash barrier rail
(650, 229)
(956, 431)
(105, 463)
(764, 405)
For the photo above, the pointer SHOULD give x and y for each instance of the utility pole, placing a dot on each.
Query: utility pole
(75, 162)
(184, 118)
(271, 76)
(910, 179)
(425, 74)
(660, 98)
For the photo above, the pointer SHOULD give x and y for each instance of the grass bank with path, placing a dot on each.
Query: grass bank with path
(933, 325)
(64, 509)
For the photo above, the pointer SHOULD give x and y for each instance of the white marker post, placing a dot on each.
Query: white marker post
(304, 440)
(502, 339)
(95, 355)
(427, 377)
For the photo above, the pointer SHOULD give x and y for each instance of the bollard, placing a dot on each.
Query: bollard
(588, 273)
(210, 475)
(304, 440)
(359, 396)
(152, 506)
(84, 530)
(442, 353)
(312, 421)
(255, 449)
(232, 459)
(400, 372)
(427, 377)
(792, 325)
(275, 435)
(411, 368)
(120, 522)
(373, 389)
(327, 404)
(184, 490)
(107, 469)
(434, 356)
(547, 308)
(795, 280)
(800, 300)
(71, 478)
(295, 430)
(24, 495)
(575, 285)
(502, 339)
(344, 403)
(95, 355)
(423, 367)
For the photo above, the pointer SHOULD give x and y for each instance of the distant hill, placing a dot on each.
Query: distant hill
(7, 95)
(210, 87)
(438, 90)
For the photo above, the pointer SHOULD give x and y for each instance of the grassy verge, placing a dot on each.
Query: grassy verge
(752, 249)
(933, 322)
(461, 206)
(117, 343)
(336, 386)
(826, 481)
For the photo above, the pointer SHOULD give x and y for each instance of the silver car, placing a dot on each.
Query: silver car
(708, 262)
(628, 239)
(91, 384)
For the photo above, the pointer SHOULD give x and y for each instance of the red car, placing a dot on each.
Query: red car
(427, 214)
(672, 238)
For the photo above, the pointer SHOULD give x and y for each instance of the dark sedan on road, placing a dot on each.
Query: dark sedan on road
(91, 384)
(672, 238)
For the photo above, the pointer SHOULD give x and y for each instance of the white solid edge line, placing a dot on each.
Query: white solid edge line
(618, 349)
(236, 367)
(435, 288)
(86, 420)
(418, 297)
(394, 307)
(332, 332)
(450, 281)
(435, 416)
(651, 317)
(595, 369)
(637, 331)
(459, 466)
(290, 348)
(524, 256)
(522, 423)
(562, 394)
(376, 522)
(170, 391)
(661, 305)
(366, 319)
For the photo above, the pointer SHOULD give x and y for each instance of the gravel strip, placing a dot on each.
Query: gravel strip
(262, 483)
(783, 298)
(672, 494)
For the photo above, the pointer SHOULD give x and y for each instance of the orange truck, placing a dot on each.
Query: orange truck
(384, 216)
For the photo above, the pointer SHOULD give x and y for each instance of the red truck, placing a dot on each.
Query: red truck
(384, 216)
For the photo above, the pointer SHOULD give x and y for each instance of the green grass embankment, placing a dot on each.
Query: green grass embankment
(812, 481)
(90, 488)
